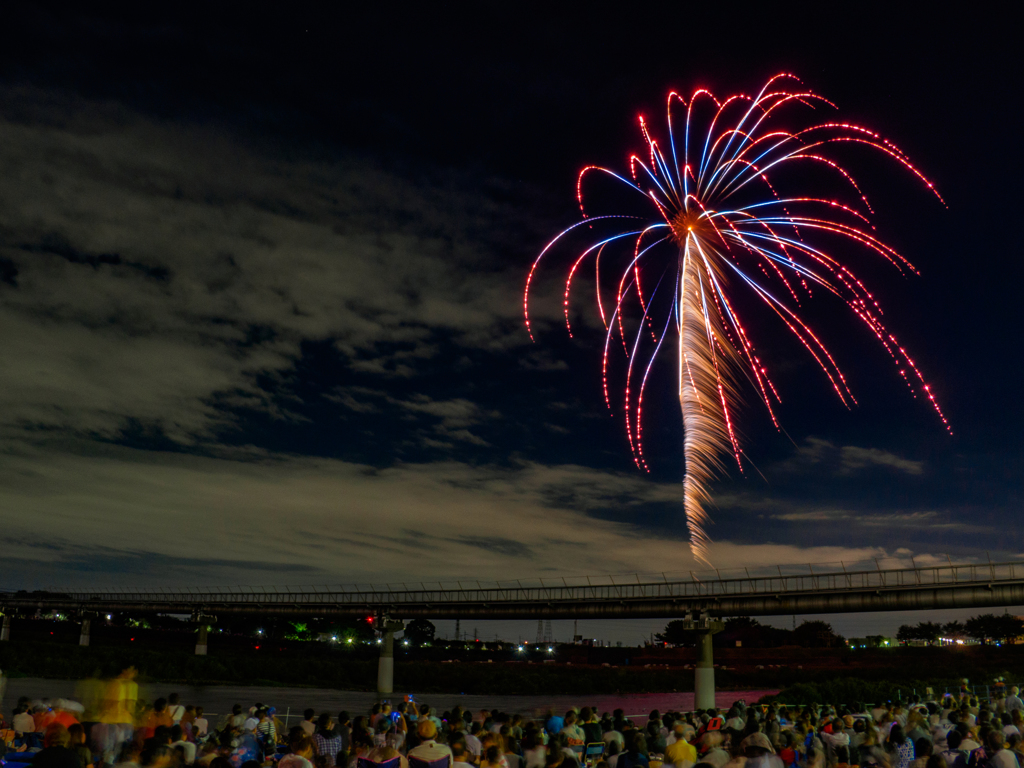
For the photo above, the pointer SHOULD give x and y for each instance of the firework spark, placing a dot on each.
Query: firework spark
(719, 219)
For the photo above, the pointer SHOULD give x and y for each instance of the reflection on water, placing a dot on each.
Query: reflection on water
(217, 699)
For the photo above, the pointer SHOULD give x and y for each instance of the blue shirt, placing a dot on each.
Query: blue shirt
(555, 724)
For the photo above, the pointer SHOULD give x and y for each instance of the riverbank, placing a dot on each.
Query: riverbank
(863, 674)
(218, 699)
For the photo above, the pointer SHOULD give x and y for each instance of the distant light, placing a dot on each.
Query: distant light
(334, 639)
(349, 641)
(405, 642)
(378, 641)
(550, 649)
(109, 617)
(520, 649)
(259, 631)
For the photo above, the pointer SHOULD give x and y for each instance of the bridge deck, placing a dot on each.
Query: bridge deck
(821, 589)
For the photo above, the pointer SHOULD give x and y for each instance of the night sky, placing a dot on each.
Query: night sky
(261, 290)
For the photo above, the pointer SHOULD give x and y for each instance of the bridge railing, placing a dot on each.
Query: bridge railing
(777, 580)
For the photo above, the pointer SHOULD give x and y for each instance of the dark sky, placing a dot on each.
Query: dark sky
(261, 277)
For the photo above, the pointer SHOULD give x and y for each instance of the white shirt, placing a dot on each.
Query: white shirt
(190, 750)
(473, 744)
(24, 723)
(202, 725)
(176, 712)
(1004, 758)
(308, 727)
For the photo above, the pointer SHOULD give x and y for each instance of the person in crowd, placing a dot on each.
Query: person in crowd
(492, 757)
(899, 747)
(382, 754)
(77, 743)
(635, 755)
(473, 740)
(460, 756)
(997, 754)
(308, 722)
(174, 708)
(428, 750)
(178, 740)
(759, 752)
(300, 754)
(534, 751)
(327, 741)
(156, 718)
(680, 753)
(923, 749)
(200, 725)
(590, 726)
(56, 751)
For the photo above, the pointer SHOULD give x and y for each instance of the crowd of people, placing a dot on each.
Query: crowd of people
(954, 732)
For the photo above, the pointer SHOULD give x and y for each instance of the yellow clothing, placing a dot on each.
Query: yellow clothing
(680, 751)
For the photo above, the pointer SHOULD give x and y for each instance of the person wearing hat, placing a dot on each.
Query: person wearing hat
(428, 749)
(680, 752)
(759, 752)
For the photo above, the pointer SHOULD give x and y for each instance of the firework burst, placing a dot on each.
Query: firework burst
(721, 220)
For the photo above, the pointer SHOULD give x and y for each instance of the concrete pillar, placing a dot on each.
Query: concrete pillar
(386, 664)
(704, 672)
(83, 638)
(5, 632)
(201, 640)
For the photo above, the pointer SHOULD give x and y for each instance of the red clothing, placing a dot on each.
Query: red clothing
(65, 718)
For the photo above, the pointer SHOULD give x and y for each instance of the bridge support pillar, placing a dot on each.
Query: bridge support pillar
(5, 632)
(83, 637)
(704, 672)
(386, 663)
(202, 631)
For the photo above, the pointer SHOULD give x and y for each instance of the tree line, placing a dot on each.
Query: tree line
(751, 633)
(986, 628)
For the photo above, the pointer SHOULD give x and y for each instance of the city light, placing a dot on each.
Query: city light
(520, 649)
(550, 649)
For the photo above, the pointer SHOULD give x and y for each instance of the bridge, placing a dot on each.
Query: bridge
(701, 599)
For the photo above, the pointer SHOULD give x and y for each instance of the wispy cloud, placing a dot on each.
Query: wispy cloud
(817, 454)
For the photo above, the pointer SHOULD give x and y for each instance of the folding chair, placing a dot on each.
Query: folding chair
(363, 762)
(416, 762)
(594, 752)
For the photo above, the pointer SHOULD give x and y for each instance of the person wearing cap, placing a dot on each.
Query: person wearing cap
(680, 752)
(428, 749)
